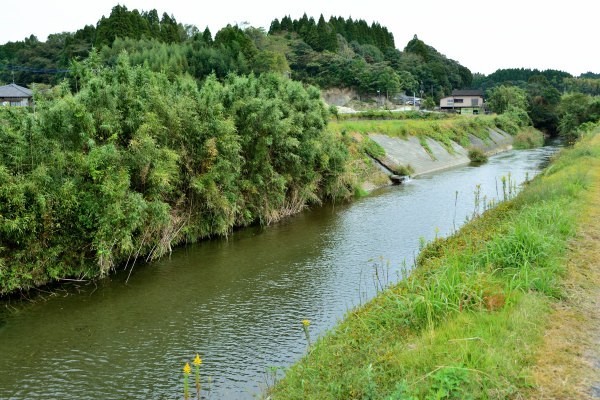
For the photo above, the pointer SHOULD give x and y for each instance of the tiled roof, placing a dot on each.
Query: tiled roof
(467, 93)
(14, 91)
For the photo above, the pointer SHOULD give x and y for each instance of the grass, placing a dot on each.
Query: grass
(455, 128)
(397, 115)
(469, 321)
(566, 362)
(528, 138)
(361, 166)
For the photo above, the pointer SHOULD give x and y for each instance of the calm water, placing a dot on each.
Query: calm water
(237, 302)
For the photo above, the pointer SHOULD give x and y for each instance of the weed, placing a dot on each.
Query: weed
(305, 325)
(187, 370)
(477, 156)
(477, 304)
(186, 388)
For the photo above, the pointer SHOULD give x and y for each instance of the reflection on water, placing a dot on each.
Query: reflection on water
(237, 302)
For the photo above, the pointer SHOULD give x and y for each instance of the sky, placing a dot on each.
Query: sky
(481, 35)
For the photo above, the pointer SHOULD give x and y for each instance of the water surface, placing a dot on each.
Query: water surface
(237, 302)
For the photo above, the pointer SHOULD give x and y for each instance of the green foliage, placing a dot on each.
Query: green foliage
(500, 98)
(528, 138)
(574, 110)
(547, 110)
(137, 161)
(433, 69)
(339, 52)
(323, 35)
(477, 155)
(48, 62)
(543, 99)
(395, 115)
(519, 77)
(428, 104)
(123, 23)
(373, 148)
(586, 85)
(441, 127)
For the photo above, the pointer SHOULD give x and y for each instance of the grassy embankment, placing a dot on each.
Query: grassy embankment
(470, 319)
(443, 128)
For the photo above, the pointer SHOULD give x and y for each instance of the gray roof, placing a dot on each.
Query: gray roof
(14, 91)
(467, 93)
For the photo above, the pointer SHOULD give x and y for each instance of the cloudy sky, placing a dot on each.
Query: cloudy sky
(481, 35)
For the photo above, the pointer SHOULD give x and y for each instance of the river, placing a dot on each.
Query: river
(237, 302)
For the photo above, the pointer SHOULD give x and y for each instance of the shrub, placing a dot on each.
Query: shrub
(477, 155)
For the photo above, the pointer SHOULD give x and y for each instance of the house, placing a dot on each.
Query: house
(15, 95)
(463, 102)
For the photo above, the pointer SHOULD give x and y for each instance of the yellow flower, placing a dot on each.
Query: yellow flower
(197, 360)
(187, 369)
(305, 322)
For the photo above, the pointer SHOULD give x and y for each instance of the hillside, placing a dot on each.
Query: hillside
(339, 52)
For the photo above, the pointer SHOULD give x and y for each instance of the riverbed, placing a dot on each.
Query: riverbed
(237, 302)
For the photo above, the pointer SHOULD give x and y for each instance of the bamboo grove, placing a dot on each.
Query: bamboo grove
(134, 162)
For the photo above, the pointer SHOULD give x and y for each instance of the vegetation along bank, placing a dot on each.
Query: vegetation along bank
(133, 163)
(469, 321)
(413, 143)
(128, 163)
(191, 135)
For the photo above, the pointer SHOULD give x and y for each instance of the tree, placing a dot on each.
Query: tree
(543, 99)
(500, 98)
(574, 110)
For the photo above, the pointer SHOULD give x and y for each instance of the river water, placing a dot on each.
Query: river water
(237, 302)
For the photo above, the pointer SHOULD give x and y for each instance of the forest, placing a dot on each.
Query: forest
(338, 52)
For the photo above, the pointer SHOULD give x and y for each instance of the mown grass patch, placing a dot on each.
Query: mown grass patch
(469, 319)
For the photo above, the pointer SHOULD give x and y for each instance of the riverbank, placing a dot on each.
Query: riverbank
(470, 320)
(568, 362)
(419, 143)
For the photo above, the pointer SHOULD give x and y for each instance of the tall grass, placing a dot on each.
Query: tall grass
(465, 324)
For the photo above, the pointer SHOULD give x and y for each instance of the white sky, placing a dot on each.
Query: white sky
(481, 35)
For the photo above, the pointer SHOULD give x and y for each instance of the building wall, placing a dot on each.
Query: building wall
(14, 102)
(467, 101)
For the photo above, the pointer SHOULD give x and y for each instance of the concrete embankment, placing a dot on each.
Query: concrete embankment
(400, 152)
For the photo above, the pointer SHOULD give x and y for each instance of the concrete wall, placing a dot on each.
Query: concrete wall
(403, 152)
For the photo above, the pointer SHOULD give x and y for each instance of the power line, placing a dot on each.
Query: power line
(22, 68)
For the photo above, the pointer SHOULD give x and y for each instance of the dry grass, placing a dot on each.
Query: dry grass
(568, 363)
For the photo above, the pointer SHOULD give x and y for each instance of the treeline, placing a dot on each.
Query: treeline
(339, 52)
(323, 35)
(519, 77)
(545, 107)
(546, 95)
(135, 162)
(31, 60)
(586, 85)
